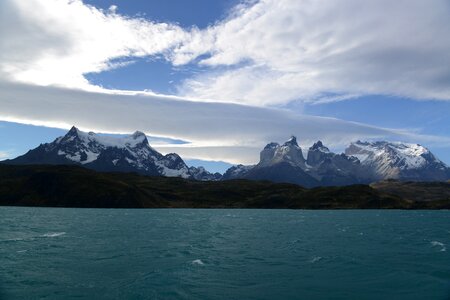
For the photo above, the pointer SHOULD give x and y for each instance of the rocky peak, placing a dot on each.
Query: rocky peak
(318, 153)
(71, 135)
(291, 142)
(289, 152)
(319, 146)
(73, 131)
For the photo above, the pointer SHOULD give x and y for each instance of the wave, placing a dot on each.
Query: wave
(315, 259)
(53, 234)
(13, 240)
(197, 262)
(31, 238)
(439, 244)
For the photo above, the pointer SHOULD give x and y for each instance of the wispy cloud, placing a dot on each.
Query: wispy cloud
(301, 50)
(58, 41)
(265, 52)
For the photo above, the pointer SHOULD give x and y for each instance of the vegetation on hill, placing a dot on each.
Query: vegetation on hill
(72, 186)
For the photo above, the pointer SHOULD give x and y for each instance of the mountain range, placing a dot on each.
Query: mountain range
(111, 154)
(362, 162)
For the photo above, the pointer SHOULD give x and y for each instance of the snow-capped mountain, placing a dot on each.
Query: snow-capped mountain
(112, 154)
(361, 163)
(399, 161)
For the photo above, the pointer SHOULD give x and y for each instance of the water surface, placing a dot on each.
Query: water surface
(59, 253)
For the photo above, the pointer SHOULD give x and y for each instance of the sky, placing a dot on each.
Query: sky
(214, 81)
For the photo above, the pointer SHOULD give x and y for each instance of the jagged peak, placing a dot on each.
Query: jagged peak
(291, 142)
(73, 134)
(319, 146)
(73, 131)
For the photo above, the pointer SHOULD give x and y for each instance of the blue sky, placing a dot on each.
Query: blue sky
(200, 13)
(257, 54)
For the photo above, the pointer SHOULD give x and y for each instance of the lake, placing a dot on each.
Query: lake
(64, 253)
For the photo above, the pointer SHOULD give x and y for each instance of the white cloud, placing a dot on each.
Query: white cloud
(113, 8)
(216, 131)
(284, 50)
(57, 41)
(267, 52)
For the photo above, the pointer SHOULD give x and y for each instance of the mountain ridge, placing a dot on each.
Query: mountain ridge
(361, 163)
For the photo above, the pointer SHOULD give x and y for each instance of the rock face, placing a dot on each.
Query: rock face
(278, 163)
(289, 152)
(317, 153)
(360, 164)
(109, 154)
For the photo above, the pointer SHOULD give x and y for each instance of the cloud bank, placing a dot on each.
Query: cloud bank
(215, 131)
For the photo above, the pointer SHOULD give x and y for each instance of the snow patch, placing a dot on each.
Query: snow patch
(404, 155)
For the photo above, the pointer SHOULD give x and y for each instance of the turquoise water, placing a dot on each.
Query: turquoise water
(58, 253)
